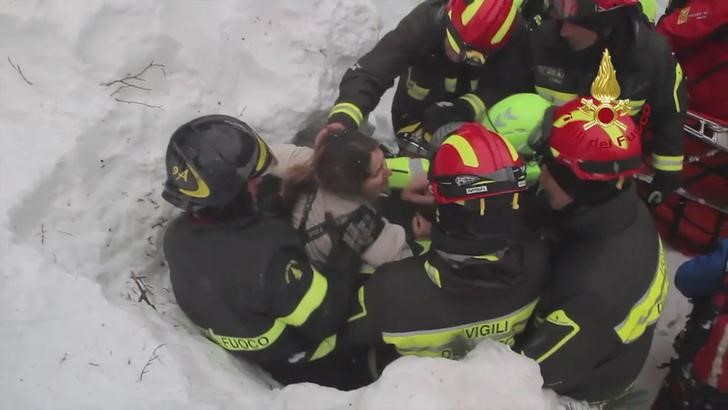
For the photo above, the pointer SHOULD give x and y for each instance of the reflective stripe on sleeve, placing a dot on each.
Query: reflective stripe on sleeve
(349, 109)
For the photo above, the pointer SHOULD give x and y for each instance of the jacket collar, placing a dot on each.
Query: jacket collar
(609, 217)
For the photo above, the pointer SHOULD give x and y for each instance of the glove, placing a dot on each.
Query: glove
(443, 112)
(411, 141)
(662, 185)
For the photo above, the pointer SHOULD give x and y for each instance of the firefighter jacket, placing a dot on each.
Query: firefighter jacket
(647, 74)
(415, 52)
(592, 329)
(440, 304)
(248, 286)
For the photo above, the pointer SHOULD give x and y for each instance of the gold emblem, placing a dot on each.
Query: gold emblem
(606, 90)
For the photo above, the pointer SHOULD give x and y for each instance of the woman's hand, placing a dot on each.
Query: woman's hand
(418, 191)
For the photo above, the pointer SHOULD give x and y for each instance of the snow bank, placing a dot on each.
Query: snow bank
(81, 215)
(80, 208)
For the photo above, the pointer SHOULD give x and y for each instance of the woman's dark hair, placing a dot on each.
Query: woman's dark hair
(340, 165)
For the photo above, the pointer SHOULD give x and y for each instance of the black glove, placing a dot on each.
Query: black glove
(663, 184)
(443, 112)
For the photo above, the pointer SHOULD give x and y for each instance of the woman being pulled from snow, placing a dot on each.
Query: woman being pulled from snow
(331, 191)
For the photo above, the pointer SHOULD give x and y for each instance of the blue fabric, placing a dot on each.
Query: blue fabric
(703, 274)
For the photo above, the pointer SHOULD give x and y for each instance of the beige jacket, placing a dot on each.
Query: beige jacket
(389, 246)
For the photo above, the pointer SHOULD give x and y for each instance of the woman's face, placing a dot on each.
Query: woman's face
(378, 180)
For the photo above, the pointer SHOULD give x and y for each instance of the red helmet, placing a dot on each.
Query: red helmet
(597, 141)
(474, 162)
(577, 9)
(478, 27)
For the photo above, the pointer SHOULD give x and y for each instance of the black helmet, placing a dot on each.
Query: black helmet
(209, 160)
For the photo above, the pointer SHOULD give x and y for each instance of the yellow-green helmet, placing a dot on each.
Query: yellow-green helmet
(515, 117)
(649, 8)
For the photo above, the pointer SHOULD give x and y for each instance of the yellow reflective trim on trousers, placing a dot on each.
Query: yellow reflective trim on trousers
(506, 26)
(470, 11)
(667, 162)
(475, 102)
(444, 342)
(324, 348)
(556, 97)
(362, 305)
(474, 85)
(678, 80)
(349, 109)
(433, 273)
(647, 310)
(310, 301)
(413, 89)
(635, 106)
(451, 84)
(560, 318)
(464, 149)
(248, 344)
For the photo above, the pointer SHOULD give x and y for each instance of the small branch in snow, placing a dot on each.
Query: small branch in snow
(138, 103)
(130, 81)
(144, 291)
(125, 81)
(65, 233)
(19, 70)
(242, 111)
(151, 360)
(42, 234)
(160, 224)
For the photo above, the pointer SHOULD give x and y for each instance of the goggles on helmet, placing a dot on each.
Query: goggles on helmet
(458, 186)
(466, 53)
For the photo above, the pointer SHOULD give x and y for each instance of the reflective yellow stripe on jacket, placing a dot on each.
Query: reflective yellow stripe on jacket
(476, 104)
(457, 340)
(667, 162)
(310, 301)
(349, 109)
(647, 310)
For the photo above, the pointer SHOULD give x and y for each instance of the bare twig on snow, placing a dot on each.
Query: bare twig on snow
(151, 360)
(19, 70)
(144, 291)
(131, 81)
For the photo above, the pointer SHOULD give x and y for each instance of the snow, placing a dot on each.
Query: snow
(81, 212)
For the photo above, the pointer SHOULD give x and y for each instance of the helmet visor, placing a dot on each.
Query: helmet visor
(456, 187)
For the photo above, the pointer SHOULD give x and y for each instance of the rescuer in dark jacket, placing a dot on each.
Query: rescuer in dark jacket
(593, 326)
(482, 276)
(241, 275)
(461, 54)
(566, 50)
